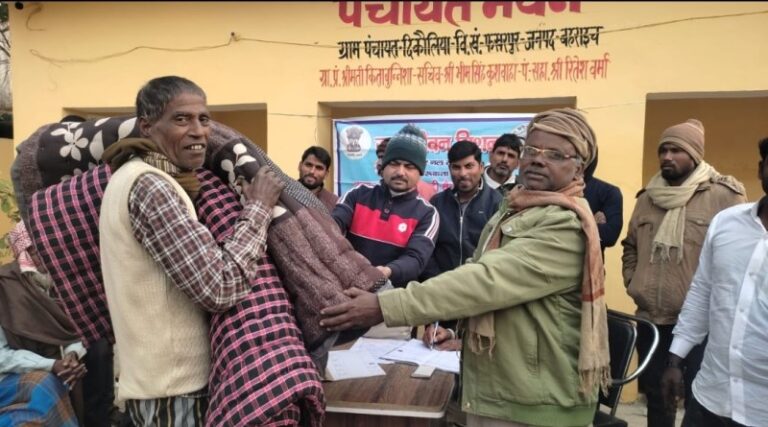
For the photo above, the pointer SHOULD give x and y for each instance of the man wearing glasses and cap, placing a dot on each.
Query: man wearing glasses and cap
(535, 344)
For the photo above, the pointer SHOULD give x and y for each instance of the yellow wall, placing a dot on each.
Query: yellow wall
(252, 123)
(6, 156)
(83, 56)
(733, 127)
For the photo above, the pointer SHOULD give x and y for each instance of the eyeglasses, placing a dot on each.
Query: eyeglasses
(529, 152)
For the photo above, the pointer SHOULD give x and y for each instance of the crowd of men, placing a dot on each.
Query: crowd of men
(506, 266)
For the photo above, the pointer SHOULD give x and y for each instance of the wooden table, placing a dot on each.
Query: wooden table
(396, 399)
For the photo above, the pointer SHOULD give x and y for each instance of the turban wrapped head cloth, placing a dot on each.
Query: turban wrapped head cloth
(571, 125)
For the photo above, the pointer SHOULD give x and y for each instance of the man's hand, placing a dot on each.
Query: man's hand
(600, 217)
(444, 339)
(386, 271)
(266, 186)
(362, 311)
(69, 369)
(672, 387)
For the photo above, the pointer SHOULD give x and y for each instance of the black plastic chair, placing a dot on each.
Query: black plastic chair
(622, 336)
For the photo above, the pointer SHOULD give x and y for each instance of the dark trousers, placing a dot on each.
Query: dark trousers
(99, 384)
(697, 415)
(650, 380)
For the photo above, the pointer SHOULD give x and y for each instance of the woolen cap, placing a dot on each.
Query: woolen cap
(688, 136)
(409, 145)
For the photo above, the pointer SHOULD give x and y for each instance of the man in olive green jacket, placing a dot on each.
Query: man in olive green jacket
(662, 247)
(523, 350)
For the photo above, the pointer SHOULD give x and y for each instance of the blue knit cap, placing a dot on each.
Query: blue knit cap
(408, 144)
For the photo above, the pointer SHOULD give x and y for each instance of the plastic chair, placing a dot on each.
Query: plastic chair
(622, 336)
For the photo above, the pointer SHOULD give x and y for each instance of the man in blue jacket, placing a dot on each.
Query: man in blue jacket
(464, 210)
(389, 223)
(607, 204)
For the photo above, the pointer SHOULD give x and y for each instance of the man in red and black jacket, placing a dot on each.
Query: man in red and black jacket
(389, 223)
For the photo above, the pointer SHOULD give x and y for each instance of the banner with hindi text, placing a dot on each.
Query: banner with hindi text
(355, 140)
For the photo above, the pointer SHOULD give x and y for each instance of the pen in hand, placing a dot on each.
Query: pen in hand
(434, 336)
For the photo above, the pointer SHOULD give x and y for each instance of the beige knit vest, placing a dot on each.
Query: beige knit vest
(161, 335)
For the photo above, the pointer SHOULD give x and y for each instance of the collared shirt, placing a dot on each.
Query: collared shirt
(493, 184)
(212, 276)
(728, 300)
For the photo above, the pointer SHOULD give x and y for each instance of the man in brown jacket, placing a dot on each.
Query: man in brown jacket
(661, 250)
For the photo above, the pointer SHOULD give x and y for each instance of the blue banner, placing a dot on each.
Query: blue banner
(355, 141)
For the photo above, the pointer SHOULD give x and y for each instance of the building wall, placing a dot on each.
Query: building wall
(81, 56)
(730, 145)
(6, 157)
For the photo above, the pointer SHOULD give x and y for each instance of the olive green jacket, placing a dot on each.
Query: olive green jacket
(531, 283)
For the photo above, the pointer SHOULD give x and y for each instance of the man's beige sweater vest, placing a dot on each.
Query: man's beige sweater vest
(161, 335)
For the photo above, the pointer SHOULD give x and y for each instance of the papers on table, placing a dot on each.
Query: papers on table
(377, 348)
(348, 364)
(363, 358)
(414, 351)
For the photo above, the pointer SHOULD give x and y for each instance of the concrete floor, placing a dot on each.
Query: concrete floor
(634, 414)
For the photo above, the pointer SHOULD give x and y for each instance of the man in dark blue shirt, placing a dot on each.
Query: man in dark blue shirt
(607, 205)
(464, 210)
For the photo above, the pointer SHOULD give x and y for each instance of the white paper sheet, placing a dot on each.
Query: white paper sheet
(348, 364)
(416, 352)
(377, 347)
